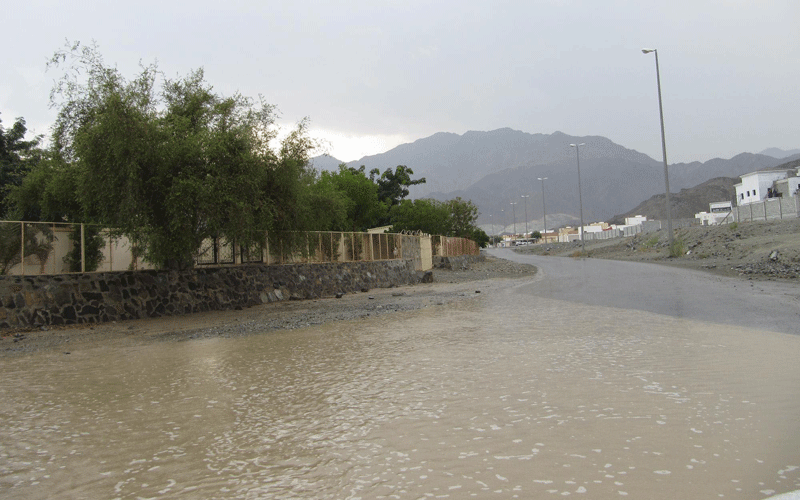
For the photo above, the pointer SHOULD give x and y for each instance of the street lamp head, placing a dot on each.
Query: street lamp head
(542, 178)
(576, 145)
(647, 51)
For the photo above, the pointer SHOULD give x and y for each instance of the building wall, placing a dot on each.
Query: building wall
(753, 187)
(788, 187)
(769, 209)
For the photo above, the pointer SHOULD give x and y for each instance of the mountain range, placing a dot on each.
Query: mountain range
(498, 167)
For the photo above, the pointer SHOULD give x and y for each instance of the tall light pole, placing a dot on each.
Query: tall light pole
(525, 199)
(544, 208)
(663, 144)
(514, 218)
(503, 217)
(580, 197)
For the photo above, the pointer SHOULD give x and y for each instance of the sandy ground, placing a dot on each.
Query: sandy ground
(449, 286)
(751, 250)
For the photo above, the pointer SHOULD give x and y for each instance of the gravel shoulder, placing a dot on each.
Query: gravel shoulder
(765, 250)
(450, 285)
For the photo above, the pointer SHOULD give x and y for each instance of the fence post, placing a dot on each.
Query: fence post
(83, 250)
(22, 247)
(110, 254)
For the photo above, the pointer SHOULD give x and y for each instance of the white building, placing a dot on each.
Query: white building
(755, 185)
(717, 212)
(635, 220)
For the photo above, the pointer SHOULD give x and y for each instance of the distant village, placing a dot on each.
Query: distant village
(761, 195)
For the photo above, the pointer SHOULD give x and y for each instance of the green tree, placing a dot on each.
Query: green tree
(37, 241)
(393, 185)
(364, 209)
(325, 204)
(536, 235)
(92, 241)
(17, 157)
(426, 215)
(171, 167)
(49, 192)
(479, 236)
(463, 215)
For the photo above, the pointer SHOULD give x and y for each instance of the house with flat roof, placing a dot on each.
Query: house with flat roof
(760, 185)
(718, 211)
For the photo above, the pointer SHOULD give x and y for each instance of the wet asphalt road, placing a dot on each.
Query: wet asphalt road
(682, 293)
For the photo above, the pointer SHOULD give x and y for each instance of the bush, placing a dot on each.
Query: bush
(677, 248)
(94, 243)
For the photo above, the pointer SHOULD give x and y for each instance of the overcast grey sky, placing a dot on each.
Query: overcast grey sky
(371, 75)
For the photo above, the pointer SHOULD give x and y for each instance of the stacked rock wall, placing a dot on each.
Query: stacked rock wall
(33, 301)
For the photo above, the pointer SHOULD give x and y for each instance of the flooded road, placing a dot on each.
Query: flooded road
(518, 393)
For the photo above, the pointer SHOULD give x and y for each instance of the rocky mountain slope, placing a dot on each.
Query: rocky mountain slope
(498, 167)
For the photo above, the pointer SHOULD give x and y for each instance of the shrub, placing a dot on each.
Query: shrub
(677, 248)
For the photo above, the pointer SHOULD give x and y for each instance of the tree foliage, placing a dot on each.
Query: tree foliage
(426, 215)
(463, 215)
(362, 203)
(172, 164)
(17, 157)
(393, 185)
(454, 217)
(92, 245)
(169, 162)
(33, 239)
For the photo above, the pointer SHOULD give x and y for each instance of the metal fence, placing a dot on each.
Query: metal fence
(449, 246)
(311, 247)
(31, 248)
(36, 248)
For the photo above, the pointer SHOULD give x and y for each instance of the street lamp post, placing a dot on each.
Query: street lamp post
(663, 144)
(514, 218)
(503, 217)
(580, 197)
(544, 207)
(525, 199)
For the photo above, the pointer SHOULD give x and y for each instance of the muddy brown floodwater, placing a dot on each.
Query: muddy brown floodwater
(504, 395)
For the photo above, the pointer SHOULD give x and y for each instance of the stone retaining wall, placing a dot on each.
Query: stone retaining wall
(34, 301)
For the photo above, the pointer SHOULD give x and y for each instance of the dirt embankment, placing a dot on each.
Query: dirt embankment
(758, 250)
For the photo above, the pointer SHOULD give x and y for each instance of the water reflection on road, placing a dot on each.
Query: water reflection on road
(505, 396)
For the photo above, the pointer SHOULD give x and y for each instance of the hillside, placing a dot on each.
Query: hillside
(498, 167)
(686, 203)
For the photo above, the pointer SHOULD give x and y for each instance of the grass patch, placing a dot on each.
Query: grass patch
(677, 248)
(651, 242)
